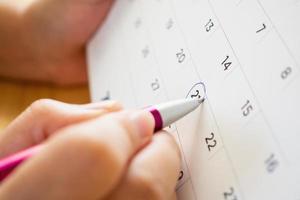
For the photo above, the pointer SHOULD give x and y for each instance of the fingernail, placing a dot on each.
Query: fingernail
(144, 123)
(108, 105)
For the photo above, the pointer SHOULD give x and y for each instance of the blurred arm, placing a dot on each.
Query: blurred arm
(12, 41)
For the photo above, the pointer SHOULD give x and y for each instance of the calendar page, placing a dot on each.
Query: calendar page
(244, 141)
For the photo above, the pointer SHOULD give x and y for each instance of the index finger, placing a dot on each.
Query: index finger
(84, 161)
(43, 118)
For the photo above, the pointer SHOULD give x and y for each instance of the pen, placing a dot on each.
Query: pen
(163, 114)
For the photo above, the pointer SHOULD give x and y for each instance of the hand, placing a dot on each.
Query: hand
(45, 40)
(94, 151)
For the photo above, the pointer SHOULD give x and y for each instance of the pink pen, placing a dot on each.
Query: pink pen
(163, 114)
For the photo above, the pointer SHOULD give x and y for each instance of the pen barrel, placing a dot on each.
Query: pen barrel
(168, 113)
(8, 164)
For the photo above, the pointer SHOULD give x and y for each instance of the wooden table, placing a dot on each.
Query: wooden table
(15, 97)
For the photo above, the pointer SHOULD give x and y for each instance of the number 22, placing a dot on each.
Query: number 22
(211, 142)
(230, 195)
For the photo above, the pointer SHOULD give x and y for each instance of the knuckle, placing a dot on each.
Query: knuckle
(112, 104)
(148, 187)
(122, 127)
(126, 127)
(92, 154)
(171, 144)
(125, 122)
(41, 106)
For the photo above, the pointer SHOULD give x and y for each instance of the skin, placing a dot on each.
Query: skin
(94, 151)
(43, 40)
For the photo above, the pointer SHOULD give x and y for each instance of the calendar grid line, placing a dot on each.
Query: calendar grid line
(241, 143)
(211, 111)
(179, 138)
(282, 152)
(168, 97)
(278, 33)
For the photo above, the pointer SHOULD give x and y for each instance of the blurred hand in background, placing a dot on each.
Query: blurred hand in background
(44, 40)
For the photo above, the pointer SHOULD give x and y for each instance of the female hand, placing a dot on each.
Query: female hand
(44, 40)
(94, 151)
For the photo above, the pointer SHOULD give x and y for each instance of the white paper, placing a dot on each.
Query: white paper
(244, 141)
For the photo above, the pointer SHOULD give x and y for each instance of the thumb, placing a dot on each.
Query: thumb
(84, 161)
(43, 118)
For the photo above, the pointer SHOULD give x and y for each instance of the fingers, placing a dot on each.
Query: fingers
(43, 118)
(82, 161)
(153, 172)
